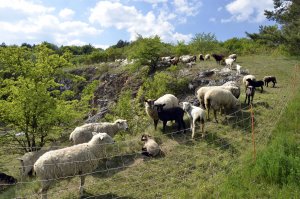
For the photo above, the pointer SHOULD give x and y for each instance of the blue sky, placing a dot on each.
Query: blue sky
(103, 23)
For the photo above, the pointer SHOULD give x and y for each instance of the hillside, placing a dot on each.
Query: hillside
(189, 168)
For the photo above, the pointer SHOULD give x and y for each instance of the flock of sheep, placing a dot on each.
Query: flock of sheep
(92, 140)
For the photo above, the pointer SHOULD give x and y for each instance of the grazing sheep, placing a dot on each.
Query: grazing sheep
(195, 114)
(268, 79)
(175, 61)
(233, 56)
(168, 99)
(84, 133)
(238, 69)
(235, 90)
(248, 77)
(190, 64)
(201, 58)
(207, 57)
(250, 91)
(28, 159)
(170, 114)
(187, 58)
(229, 62)
(150, 147)
(79, 159)
(218, 98)
(218, 58)
(256, 84)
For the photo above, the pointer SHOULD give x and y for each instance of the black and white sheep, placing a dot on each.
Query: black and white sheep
(233, 56)
(170, 114)
(248, 77)
(84, 133)
(256, 84)
(168, 99)
(207, 57)
(76, 160)
(268, 79)
(218, 98)
(201, 58)
(150, 148)
(195, 114)
(250, 91)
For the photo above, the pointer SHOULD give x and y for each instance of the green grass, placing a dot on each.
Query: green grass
(200, 168)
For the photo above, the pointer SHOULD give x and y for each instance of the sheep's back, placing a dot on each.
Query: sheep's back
(152, 147)
(219, 97)
(168, 99)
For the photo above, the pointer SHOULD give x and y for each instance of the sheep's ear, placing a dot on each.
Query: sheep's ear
(20, 159)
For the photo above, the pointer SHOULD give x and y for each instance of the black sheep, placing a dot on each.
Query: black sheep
(268, 79)
(256, 84)
(169, 114)
(218, 58)
(201, 58)
(250, 91)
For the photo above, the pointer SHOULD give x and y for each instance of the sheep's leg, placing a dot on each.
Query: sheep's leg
(202, 128)
(262, 89)
(207, 113)
(82, 180)
(155, 124)
(183, 125)
(245, 99)
(45, 187)
(193, 128)
(164, 125)
(215, 115)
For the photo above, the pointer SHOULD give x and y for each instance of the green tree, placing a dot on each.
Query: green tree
(204, 42)
(30, 99)
(181, 49)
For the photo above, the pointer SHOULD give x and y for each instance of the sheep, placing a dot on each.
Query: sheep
(195, 114)
(218, 98)
(190, 64)
(187, 58)
(78, 159)
(218, 58)
(175, 61)
(201, 58)
(268, 79)
(238, 69)
(229, 62)
(28, 159)
(168, 99)
(169, 114)
(150, 147)
(84, 134)
(248, 77)
(235, 90)
(250, 91)
(207, 57)
(233, 56)
(256, 84)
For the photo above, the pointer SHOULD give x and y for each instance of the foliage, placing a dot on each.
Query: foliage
(28, 95)
(204, 42)
(181, 49)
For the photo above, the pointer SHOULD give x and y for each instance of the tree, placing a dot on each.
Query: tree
(147, 51)
(30, 99)
(181, 49)
(204, 42)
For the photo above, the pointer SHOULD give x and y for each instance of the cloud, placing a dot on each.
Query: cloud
(134, 21)
(27, 7)
(212, 19)
(187, 8)
(248, 10)
(66, 13)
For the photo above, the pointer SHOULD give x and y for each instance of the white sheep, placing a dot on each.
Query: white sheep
(195, 114)
(150, 148)
(252, 77)
(79, 159)
(218, 98)
(235, 90)
(207, 57)
(28, 159)
(233, 56)
(229, 62)
(84, 133)
(238, 69)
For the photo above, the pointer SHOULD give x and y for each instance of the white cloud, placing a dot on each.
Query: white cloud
(134, 21)
(27, 7)
(248, 10)
(212, 19)
(186, 7)
(66, 13)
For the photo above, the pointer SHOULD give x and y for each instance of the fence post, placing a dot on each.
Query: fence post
(252, 130)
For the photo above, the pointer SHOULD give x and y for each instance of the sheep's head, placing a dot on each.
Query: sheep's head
(186, 106)
(122, 124)
(159, 107)
(102, 138)
(145, 137)
(149, 103)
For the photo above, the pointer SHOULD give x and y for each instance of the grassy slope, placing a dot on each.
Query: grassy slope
(190, 168)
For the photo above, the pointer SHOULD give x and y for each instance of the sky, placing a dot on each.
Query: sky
(103, 23)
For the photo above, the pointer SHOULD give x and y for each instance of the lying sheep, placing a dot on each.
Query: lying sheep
(195, 114)
(252, 77)
(235, 90)
(150, 147)
(168, 99)
(28, 159)
(229, 62)
(268, 79)
(250, 91)
(84, 133)
(170, 114)
(79, 159)
(218, 98)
